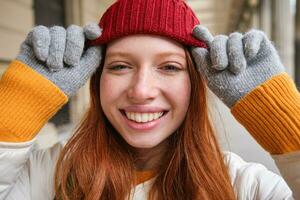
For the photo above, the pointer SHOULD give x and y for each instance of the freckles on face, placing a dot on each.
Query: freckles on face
(145, 88)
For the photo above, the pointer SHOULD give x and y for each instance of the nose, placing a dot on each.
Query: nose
(143, 87)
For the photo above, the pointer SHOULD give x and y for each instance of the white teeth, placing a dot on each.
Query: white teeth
(151, 116)
(138, 117)
(143, 117)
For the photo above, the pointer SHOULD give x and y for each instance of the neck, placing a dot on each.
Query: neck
(149, 159)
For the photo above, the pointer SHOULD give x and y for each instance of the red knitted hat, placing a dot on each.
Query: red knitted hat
(170, 18)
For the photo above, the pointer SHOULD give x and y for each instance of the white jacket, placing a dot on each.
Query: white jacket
(27, 173)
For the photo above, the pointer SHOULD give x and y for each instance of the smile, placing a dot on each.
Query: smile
(143, 117)
(143, 121)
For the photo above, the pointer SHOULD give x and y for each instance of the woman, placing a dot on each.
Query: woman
(120, 152)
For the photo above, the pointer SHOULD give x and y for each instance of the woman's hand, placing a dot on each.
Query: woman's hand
(59, 55)
(236, 64)
(245, 72)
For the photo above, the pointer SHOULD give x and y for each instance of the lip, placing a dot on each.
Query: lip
(144, 109)
(144, 126)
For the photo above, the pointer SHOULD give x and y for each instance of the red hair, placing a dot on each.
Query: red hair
(96, 164)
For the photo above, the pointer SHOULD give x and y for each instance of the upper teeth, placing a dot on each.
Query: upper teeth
(143, 117)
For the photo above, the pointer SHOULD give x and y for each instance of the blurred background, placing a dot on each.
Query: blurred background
(280, 19)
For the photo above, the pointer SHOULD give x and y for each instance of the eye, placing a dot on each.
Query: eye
(171, 68)
(118, 67)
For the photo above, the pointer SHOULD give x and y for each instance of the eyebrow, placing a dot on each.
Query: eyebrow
(164, 54)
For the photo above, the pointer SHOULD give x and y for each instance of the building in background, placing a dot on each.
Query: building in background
(280, 19)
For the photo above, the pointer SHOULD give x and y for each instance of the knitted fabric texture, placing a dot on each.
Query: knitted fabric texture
(170, 18)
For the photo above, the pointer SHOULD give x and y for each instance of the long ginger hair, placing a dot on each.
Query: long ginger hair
(96, 163)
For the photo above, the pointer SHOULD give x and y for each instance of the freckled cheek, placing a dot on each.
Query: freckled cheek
(111, 89)
(179, 91)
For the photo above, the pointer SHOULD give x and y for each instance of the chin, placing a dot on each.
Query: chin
(143, 145)
(148, 144)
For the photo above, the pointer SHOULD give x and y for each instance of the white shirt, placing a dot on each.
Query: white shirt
(27, 173)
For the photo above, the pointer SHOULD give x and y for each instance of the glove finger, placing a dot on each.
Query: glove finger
(28, 39)
(74, 45)
(218, 52)
(27, 43)
(26, 53)
(202, 60)
(92, 31)
(252, 42)
(202, 33)
(237, 60)
(90, 61)
(57, 48)
(41, 42)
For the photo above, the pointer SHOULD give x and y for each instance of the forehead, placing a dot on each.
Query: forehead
(145, 43)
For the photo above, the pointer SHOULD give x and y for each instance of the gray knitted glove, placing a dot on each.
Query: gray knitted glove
(59, 55)
(237, 64)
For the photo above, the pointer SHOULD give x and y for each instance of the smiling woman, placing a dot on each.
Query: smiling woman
(147, 133)
(145, 119)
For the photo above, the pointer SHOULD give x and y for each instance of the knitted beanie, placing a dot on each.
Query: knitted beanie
(171, 18)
